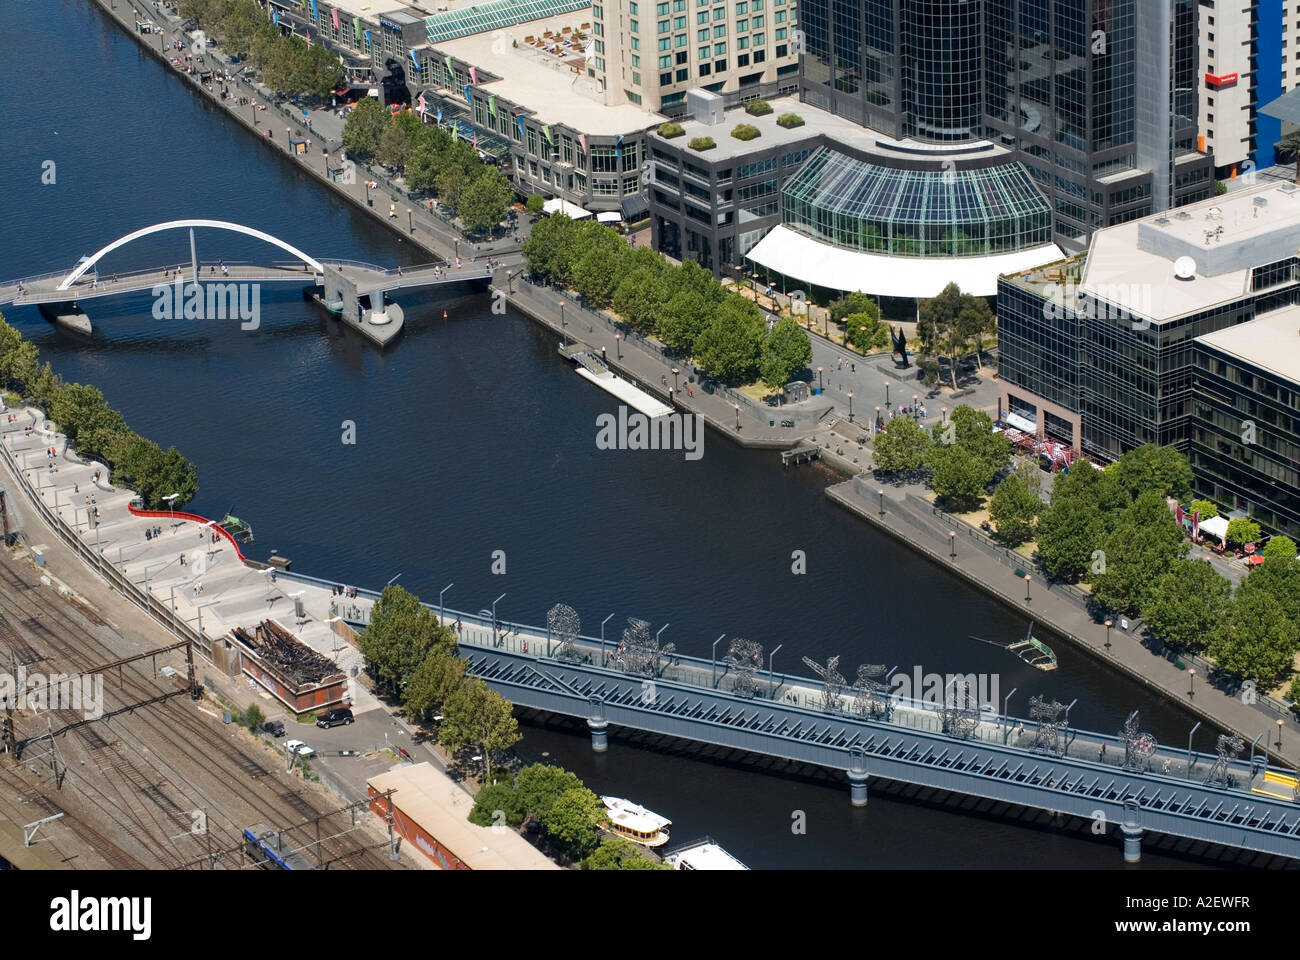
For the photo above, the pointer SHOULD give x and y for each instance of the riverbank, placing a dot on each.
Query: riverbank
(888, 509)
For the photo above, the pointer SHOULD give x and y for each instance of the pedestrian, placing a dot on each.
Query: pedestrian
(182, 559)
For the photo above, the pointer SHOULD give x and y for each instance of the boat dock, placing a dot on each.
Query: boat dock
(593, 368)
(805, 453)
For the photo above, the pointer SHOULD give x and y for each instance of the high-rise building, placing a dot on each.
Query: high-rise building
(1244, 65)
(650, 52)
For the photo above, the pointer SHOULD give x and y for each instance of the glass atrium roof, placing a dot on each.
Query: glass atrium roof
(494, 15)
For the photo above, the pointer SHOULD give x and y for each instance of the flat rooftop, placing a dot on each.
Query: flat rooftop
(1270, 342)
(439, 806)
(373, 9)
(279, 648)
(815, 121)
(1134, 263)
(551, 82)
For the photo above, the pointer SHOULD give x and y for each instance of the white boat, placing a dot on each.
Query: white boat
(703, 855)
(634, 822)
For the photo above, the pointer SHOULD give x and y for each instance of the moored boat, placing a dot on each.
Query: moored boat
(703, 855)
(634, 822)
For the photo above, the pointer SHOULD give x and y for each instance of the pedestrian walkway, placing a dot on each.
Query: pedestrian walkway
(889, 508)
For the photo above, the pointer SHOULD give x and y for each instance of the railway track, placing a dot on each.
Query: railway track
(147, 773)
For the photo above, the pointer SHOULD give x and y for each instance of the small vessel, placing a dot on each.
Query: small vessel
(703, 855)
(634, 822)
(1031, 650)
(241, 531)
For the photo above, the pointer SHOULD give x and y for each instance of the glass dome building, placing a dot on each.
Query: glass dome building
(862, 206)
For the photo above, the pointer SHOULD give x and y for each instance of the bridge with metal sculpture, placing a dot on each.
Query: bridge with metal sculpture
(1124, 780)
(352, 289)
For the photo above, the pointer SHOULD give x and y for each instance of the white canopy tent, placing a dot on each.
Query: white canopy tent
(571, 210)
(609, 216)
(823, 265)
(1216, 527)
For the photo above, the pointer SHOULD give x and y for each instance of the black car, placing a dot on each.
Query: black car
(274, 727)
(335, 718)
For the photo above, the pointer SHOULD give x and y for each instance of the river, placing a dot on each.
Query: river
(474, 436)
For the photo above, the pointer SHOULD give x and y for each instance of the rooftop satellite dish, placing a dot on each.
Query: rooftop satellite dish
(1185, 268)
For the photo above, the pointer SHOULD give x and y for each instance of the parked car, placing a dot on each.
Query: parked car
(335, 718)
(274, 727)
(299, 748)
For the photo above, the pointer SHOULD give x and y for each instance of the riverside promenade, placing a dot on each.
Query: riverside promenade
(927, 531)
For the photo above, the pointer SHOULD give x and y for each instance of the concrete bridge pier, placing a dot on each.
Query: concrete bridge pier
(857, 774)
(597, 723)
(1130, 829)
(67, 315)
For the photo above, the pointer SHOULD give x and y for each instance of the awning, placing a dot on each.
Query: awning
(1216, 527)
(609, 216)
(571, 210)
(823, 265)
(1021, 423)
(636, 207)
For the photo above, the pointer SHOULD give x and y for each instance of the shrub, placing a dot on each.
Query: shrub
(535, 203)
(701, 143)
(668, 130)
(790, 120)
(745, 131)
(758, 108)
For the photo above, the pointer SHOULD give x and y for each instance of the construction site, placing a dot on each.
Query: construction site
(153, 778)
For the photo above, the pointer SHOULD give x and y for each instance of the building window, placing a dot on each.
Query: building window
(702, 36)
(665, 62)
(742, 60)
(760, 56)
(705, 69)
(742, 44)
(720, 31)
(719, 49)
(683, 75)
(636, 79)
(720, 66)
(679, 23)
(742, 26)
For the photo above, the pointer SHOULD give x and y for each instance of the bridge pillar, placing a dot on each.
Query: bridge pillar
(597, 723)
(1130, 829)
(339, 289)
(857, 774)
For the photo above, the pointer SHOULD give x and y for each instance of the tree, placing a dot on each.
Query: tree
(786, 350)
(575, 820)
(451, 182)
(535, 203)
(1187, 604)
(634, 299)
(1068, 532)
(364, 126)
(1241, 531)
(477, 715)
(973, 430)
(486, 200)
(959, 477)
(1277, 577)
(493, 804)
(87, 420)
(1257, 641)
(423, 163)
(254, 717)
(1145, 542)
(538, 786)
(728, 347)
(18, 359)
(1013, 509)
(550, 247)
(597, 269)
(1283, 548)
(1150, 468)
(854, 303)
(399, 636)
(904, 447)
(682, 319)
(440, 674)
(940, 328)
(1101, 488)
(861, 330)
(394, 144)
(615, 853)
(154, 473)
(1205, 508)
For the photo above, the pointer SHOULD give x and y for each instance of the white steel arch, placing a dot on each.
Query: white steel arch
(72, 278)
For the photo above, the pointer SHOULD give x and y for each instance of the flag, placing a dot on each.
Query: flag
(475, 139)
(275, 17)
(334, 15)
(582, 139)
(473, 74)
(492, 105)
(415, 60)
(618, 146)
(313, 9)
(1196, 524)
(455, 132)
(520, 118)
(546, 130)
(440, 116)
(367, 33)
(356, 29)
(451, 71)
(420, 103)
(468, 99)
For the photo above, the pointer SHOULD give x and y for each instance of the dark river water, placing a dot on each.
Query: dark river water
(474, 436)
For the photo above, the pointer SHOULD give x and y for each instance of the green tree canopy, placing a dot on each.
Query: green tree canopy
(854, 303)
(440, 674)
(1258, 640)
(486, 200)
(729, 345)
(549, 248)
(634, 298)
(477, 715)
(1068, 532)
(155, 473)
(1205, 508)
(1187, 604)
(1281, 547)
(364, 127)
(959, 477)
(682, 319)
(615, 853)
(575, 821)
(786, 350)
(904, 447)
(1153, 469)
(399, 636)
(1140, 549)
(1013, 509)
(597, 267)
(1241, 531)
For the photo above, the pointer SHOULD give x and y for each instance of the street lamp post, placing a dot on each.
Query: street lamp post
(1280, 725)
(618, 346)
(288, 136)
(1109, 624)
(171, 503)
(1005, 701)
(886, 394)
(850, 406)
(1191, 690)
(456, 241)
(737, 408)
(1027, 579)
(563, 326)
(1191, 734)
(675, 373)
(952, 544)
(410, 219)
(771, 677)
(602, 638)
(494, 618)
(821, 384)
(715, 660)
(882, 501)
(441, 594)
(367, 193)
(510, 281)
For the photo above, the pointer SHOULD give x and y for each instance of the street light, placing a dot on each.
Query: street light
(1191, 734)
(886, 393)
(441, 594)
(618, 345)
(602, 638)
(494, 618)
(1191, 691)
(882, 501)
(850, 406)
(563, 326)
(952, 542)
(715, 660)
(737, 408)
(1280, 725)
(288, 136)
(368, 193)
(510, 281)
(1109, 624)
(171, 503)
(1005, 701)
(675, 372)
(943, 417)
(410, 219)
(771, 677)
(821, 385)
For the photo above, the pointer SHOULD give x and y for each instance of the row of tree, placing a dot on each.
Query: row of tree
(287, 64)
(94, 428)
(415, 659)
(683, 306)
(962, 454)
(569, 815)
(431, 160)
(950, 325)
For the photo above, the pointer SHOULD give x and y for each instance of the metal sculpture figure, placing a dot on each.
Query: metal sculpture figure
(639, 651)
(745, 657)
(1047, 715)
(1227, 749)
(562, 626)
(961, 711)
(832, 682)
(871, 696)
(1137, 745)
